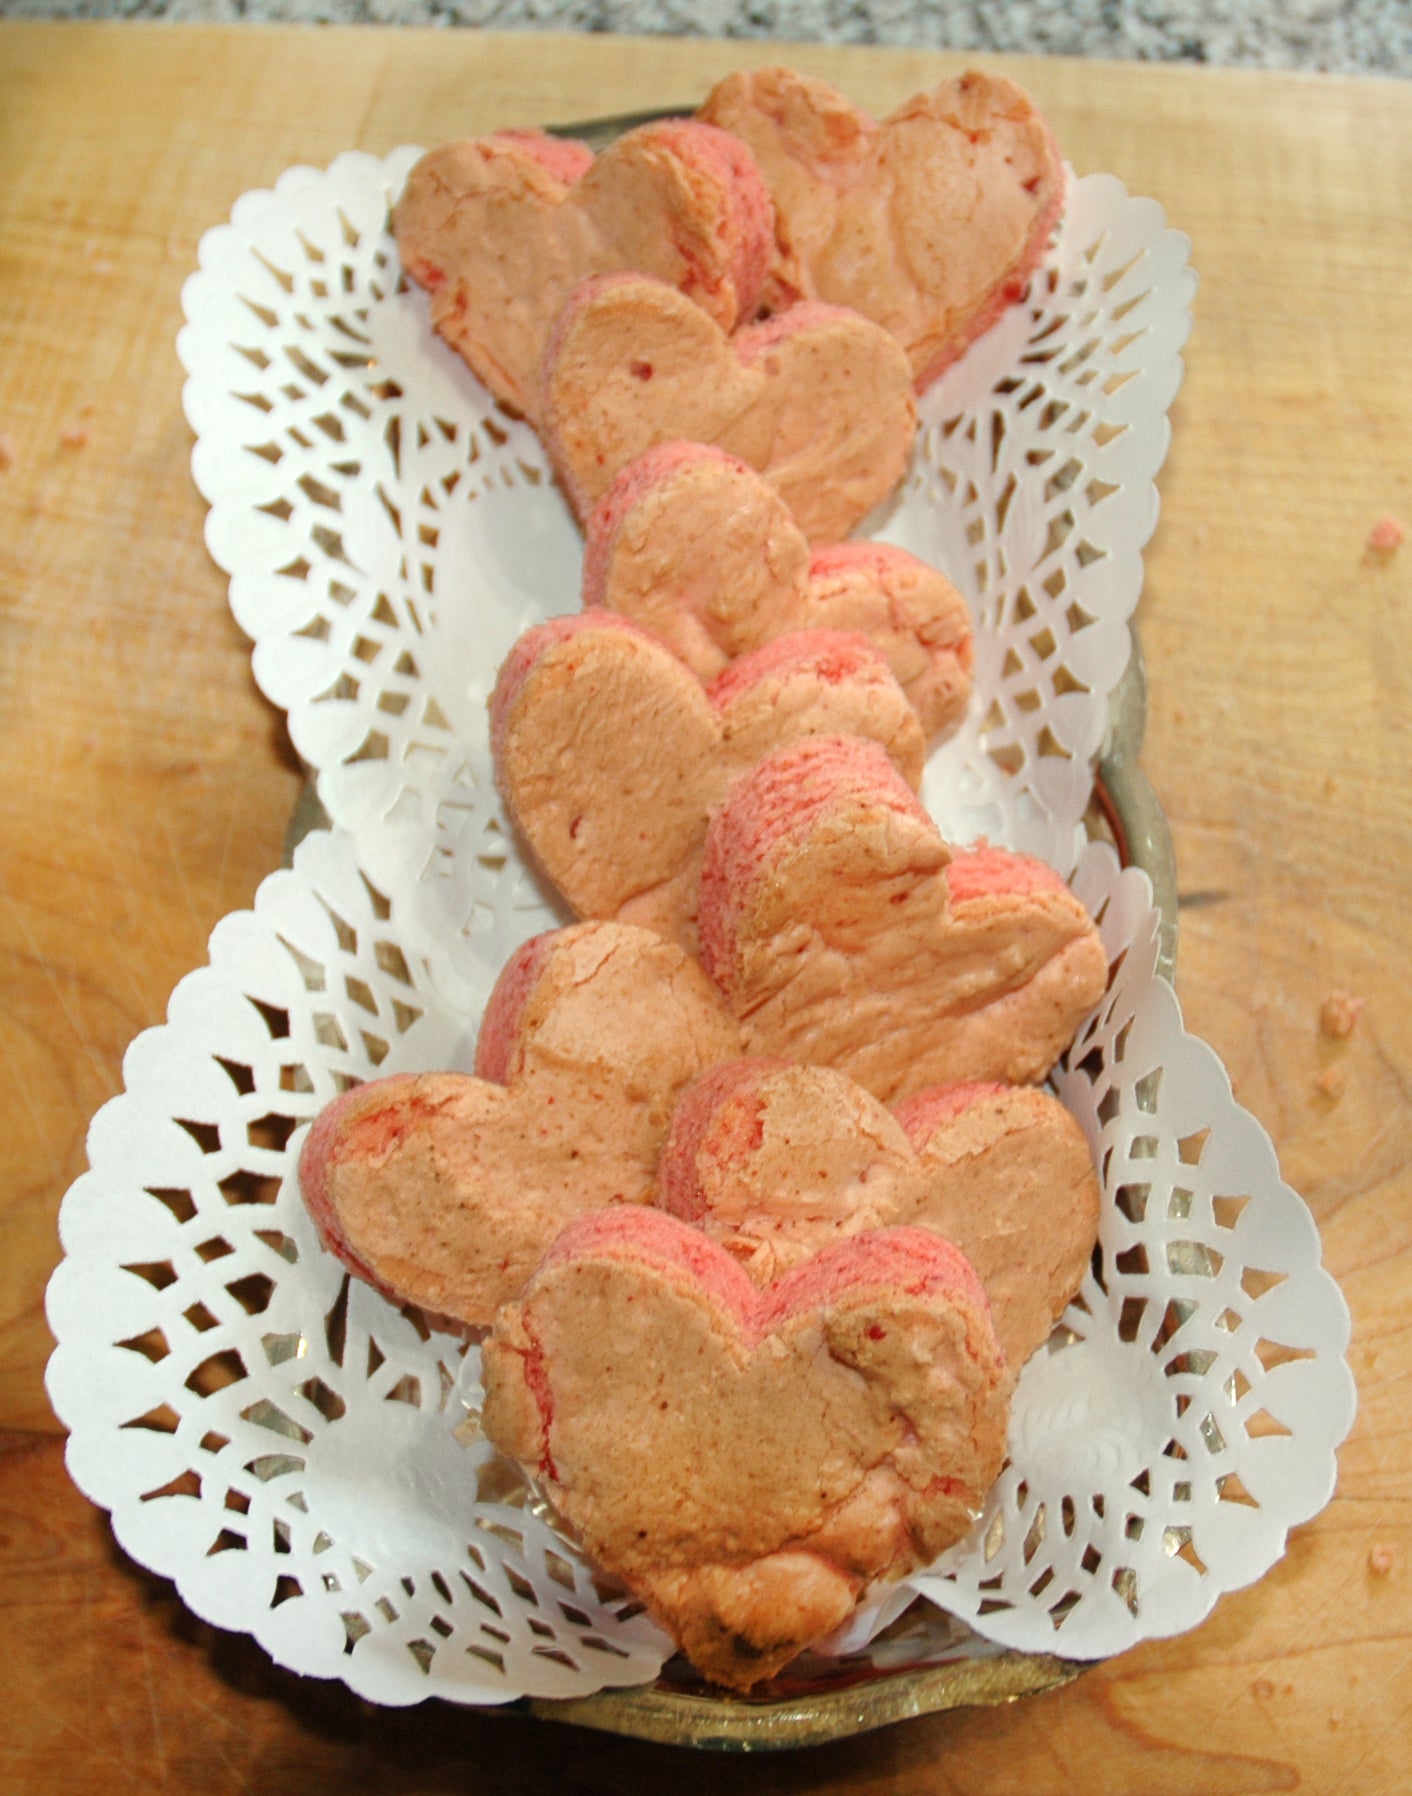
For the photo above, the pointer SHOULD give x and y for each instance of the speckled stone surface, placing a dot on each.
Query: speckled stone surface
(1335, 36)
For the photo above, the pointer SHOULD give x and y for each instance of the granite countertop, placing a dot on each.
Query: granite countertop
(1334, 36)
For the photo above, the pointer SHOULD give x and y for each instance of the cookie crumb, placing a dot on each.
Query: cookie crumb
(1382, 1559)
(75, 437)
(1330, 1082)
(1386, 535)
(1339, 1014)
(8, 453)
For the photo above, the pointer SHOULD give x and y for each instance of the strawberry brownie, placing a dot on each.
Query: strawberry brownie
(611, 755)
(844, 932)
(501, 229)
(930, 222)
(751, 1463)
(1007, 1174)
(774, 1161)
(819, 400)
(695, 545)
(444, 1189)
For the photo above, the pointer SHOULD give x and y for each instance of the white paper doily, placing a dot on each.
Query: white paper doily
(389, 532)
(302, 1457)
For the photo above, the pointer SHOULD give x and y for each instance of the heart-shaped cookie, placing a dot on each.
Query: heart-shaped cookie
(775, 1161)
(931, 222)
(501, 229)
(819, 400)
(444, 1190)
(611, 756)
(844, 932)
(696, 546)
(1011, 1180)
(750, 1462)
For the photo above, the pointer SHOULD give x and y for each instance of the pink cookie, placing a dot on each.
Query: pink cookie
(1011, 1180)
(695, 545)
(775, 1161)
(931, 222)
(819, 400)
(444, 1190)
(501, 229)
(750, 1462)
(611, 756)
(843, 931)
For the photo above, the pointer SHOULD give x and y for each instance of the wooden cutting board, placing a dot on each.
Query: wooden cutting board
(145, 786)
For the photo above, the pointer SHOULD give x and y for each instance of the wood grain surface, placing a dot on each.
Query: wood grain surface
(145, 786)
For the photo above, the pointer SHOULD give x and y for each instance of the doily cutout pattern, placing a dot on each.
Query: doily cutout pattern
(1189, 1408)
(389, 530)
(304, 1458)
(299, 1454)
